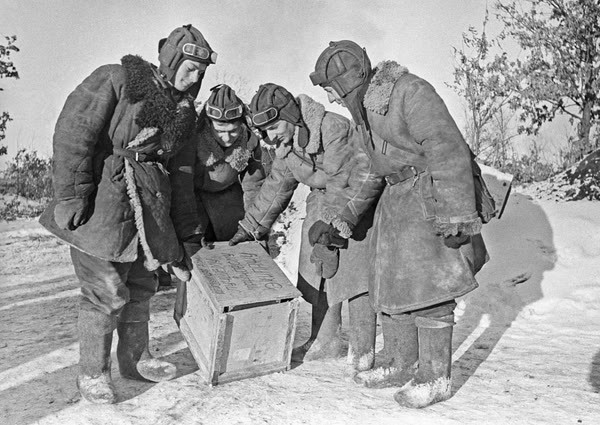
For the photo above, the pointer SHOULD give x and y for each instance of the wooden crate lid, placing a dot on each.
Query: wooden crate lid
(240, 275)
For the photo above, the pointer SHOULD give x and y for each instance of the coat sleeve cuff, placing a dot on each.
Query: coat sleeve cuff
(343, 226)
(452, 226)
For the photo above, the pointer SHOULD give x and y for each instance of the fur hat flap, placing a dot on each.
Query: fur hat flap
(312, 115)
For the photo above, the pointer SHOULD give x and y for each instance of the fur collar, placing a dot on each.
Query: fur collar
(174, 121)
(312, 115)
(209, 151)
(380, 88)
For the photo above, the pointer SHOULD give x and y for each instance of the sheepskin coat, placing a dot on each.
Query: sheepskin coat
(225, 179)
(410, 267)
(123, 105)
(324, 165)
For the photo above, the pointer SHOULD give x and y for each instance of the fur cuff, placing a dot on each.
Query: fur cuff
(377, 97)
(466, 226)
(336, 221)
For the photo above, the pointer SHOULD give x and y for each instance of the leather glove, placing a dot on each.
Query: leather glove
(72, 213)
(455, 241)
(326, 260)
(325, 234)
(179, 269)
(240, 236)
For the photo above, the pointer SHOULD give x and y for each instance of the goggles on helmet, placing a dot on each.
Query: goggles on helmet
(230, 114)
(260, 119)
(318, 78)
(199, 52)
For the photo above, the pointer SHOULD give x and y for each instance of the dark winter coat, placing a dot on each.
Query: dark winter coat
(117, 107)
(324, 165)
(225, 180)
(410, 265)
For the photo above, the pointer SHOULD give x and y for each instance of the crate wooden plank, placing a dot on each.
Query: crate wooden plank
(240, 319)
(240, 275)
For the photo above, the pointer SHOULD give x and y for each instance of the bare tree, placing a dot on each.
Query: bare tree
(479, 80)
(560, 72)
(7, 70)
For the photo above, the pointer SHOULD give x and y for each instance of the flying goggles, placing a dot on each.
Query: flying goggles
(230, 114)
(260, 119)
(199, 52)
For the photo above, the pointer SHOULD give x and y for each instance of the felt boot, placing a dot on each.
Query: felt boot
(95, 338)
(363, 329)
(325, 340)
(397, 364)
(135, 360)
(432, 382)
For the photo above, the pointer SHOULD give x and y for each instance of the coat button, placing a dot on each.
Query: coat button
(158, 195)
(160, 152)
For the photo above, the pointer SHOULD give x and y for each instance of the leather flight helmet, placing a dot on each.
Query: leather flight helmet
(343, 66)
(272, 102)
(185, 42)
(224, 105)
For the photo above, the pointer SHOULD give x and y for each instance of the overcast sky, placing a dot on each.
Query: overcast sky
(62, 41)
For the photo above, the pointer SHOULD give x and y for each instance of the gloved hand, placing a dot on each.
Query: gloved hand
(240, 236)
(72, 213)
(326, 260)
(179, 269)
(455, 241)
(325, 234)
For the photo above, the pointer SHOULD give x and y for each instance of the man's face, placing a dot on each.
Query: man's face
(188, 74)
(226, 133)
(280, 132)
(333, 97)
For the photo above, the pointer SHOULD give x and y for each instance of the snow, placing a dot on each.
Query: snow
(526, 343)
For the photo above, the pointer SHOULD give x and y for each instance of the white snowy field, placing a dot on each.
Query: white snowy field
(526, 345)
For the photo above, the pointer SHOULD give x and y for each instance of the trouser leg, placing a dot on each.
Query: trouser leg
(103, 294)
(135, 361)
(362, 329)
(325, 340)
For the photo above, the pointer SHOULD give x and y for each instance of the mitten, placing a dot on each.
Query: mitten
(325, 234)
(71, 213)
(455, 241)
(326, 260)
(240, 236)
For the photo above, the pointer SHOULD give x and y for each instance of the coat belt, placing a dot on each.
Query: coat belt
(402, 175)
(137, 156)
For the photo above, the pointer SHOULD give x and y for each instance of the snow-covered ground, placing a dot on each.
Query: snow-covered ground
(526, 345)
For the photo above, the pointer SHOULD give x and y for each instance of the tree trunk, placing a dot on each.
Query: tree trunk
(583, 131)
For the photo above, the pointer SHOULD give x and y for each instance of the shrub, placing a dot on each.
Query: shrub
(26, 186)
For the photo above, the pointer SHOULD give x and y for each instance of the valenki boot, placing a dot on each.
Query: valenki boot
(396, 366)
(95, 338)
(363, 329)
(325, 340)
(135, 360)
(432, 382)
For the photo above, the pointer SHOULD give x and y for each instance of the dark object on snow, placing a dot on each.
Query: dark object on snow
(585, 178)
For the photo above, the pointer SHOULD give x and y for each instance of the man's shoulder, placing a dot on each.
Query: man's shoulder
(410, 81)
(334, 123)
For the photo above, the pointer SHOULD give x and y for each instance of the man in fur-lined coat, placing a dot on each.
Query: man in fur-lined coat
(227, 169)
(113, 199)
(314, 147)
(424, 247)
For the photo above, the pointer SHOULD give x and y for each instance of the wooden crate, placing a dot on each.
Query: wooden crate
(240, 317)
